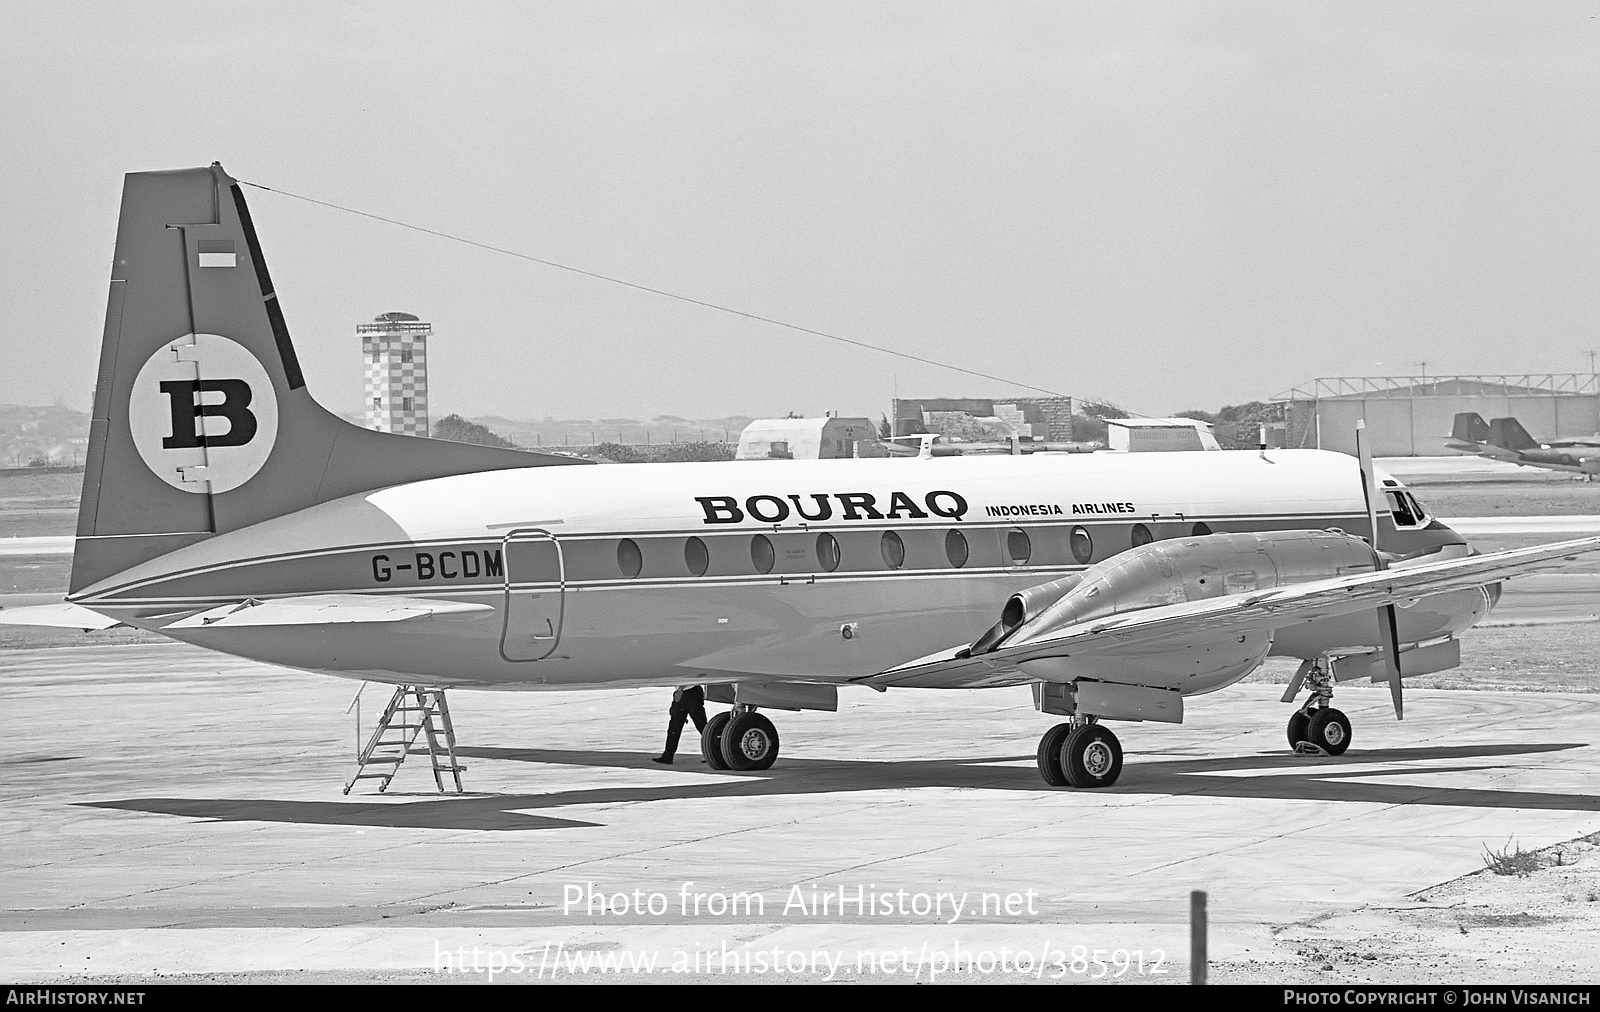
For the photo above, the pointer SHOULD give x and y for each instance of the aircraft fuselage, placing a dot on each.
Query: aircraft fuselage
(817, 570)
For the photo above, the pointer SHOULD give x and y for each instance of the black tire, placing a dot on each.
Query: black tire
(1329, 731)
(1050, 755)
(1091, 756)
(711, 741)
(750, 742)
(1298, 723)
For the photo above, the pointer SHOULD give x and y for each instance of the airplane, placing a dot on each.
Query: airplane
(223, 507)
(1505, 439)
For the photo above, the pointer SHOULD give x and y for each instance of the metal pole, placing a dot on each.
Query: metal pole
(1197, 937)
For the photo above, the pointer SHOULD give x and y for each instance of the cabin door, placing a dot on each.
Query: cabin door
(535, 594)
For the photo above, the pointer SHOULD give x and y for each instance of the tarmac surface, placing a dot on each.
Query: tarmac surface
(173, 811)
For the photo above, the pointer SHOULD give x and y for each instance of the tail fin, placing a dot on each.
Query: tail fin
(202, 422)
(1470, 428)
(1509, 433)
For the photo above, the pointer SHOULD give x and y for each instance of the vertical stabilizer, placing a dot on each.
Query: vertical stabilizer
(202, 422)
(1509, 434)
(1470, 428)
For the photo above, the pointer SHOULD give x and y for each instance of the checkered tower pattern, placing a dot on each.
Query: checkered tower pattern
(394, 348)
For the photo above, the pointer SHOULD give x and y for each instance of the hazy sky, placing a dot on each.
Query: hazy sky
(1171, 205)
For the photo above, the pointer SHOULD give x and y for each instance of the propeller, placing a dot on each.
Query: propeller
(1388, 619)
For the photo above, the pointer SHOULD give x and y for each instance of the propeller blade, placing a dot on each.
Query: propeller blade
(1391, 656)
(1387, 618)
(1369, 485)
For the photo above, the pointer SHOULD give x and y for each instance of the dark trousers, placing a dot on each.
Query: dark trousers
(692, 705)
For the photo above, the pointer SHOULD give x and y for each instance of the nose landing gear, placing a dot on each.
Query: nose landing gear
(1317, 728)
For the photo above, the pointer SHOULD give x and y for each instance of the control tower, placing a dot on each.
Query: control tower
(395, 348)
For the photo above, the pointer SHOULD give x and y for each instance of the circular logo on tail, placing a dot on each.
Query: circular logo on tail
(203, 413)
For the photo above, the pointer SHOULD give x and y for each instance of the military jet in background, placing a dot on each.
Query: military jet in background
(1505, 439)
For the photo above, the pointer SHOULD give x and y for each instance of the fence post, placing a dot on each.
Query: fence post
(1197, 937)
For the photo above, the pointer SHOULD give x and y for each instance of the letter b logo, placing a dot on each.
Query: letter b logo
(203, 414)
(188, 409)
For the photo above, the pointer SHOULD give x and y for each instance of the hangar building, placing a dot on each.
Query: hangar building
(1410, 416)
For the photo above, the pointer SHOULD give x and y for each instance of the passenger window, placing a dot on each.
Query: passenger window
(955, 548)
(1082, 545)
(696, 557)
(894, 550)
(827, 552)
(1201, 529)
(629, 559)
(1018, 547)
(761, 555)
(1141, 535)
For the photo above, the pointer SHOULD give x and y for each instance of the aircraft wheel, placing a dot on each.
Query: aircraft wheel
(1329, 730)
(1091, 756)
(711, 741)
(1050, 755)
(749, 742)
(1299, 722)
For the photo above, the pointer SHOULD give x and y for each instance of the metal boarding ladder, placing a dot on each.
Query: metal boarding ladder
(413, 710)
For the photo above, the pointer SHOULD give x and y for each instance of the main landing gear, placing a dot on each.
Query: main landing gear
(739, 739)
(1080, 754)
(1317, 728)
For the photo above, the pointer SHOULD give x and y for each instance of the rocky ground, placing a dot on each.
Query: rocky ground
(1529, 917)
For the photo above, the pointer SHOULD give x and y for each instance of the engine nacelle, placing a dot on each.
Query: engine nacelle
(1178, 571)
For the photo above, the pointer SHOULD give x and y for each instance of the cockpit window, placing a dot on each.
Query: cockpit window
(1407, 511)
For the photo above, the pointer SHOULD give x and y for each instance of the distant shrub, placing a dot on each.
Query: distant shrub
(676, 452)
(620, 453)
(626, 453)
(1511, 860)
(458, 430)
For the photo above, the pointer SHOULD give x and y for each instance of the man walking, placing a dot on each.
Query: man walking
(688, 701)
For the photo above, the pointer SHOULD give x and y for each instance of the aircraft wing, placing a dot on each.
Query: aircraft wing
(61, 615)
(327, 609)
(1227, 617)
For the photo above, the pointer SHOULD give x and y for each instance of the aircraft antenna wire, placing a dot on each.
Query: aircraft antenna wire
(669, 295)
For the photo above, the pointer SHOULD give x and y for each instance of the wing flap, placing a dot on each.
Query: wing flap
(328, 609)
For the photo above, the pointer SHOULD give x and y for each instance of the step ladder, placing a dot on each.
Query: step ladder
(413, 711)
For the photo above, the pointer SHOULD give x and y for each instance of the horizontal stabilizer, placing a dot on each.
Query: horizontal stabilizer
(1499, 453)
(57, 616)
(36, 546)
(327, 609)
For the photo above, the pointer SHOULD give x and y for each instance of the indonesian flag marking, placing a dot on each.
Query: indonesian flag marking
(217, 253)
